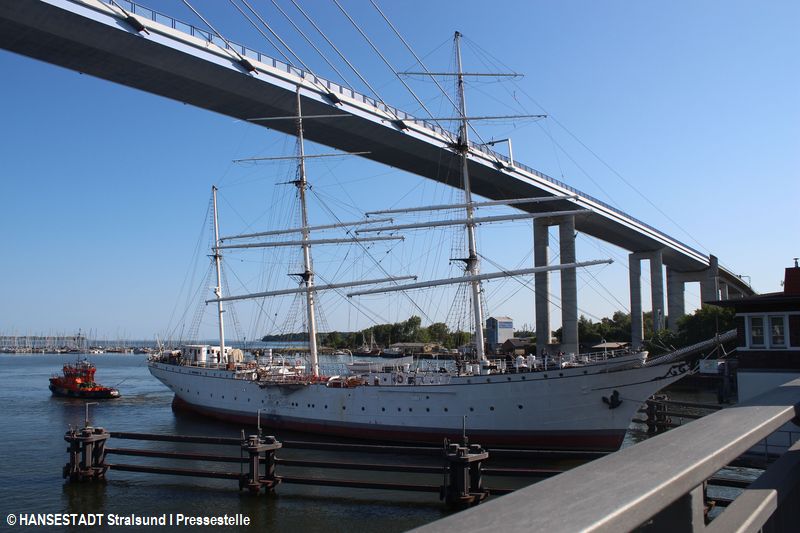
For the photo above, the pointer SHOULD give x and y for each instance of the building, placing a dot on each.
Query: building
(498, 330)
(518, 346)
(768, 342)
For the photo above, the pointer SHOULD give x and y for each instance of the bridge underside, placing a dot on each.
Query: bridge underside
(71, 35)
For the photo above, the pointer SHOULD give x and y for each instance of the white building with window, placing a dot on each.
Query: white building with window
(768, 327)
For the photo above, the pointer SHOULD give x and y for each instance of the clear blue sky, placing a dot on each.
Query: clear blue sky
(694, 104)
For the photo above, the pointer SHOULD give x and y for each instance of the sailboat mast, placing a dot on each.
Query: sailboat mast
(308, 273)
(472, 260)
(218, 288)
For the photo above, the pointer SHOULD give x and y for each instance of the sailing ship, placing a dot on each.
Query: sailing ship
(566, 402)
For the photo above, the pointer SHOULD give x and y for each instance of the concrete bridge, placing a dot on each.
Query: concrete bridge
(134, 46)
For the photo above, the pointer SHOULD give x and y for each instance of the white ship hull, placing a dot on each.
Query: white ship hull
(558, 409)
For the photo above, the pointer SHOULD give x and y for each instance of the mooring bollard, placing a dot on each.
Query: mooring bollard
(464, 485)
(86, 454)
(255, 445)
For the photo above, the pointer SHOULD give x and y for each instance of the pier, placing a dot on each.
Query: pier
(460, 469)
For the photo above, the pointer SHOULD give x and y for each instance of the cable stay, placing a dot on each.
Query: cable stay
(132, 21)
(306, 228)
(512, 201)
(480, 277)
(399, 123)
(315, 79)
(473, 221)
(311, 43)
(332, 96)
(240, 59)
(303, 289)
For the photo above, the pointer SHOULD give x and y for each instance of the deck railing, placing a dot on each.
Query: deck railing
(658, 484)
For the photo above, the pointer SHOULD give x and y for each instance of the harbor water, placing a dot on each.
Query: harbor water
(34, 452)
(32, 438)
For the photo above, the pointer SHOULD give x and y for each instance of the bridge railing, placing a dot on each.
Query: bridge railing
(189, 29)
(658, 484)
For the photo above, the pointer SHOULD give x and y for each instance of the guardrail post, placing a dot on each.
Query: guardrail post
(86, 454)
(464, 483)
(255, 445)
(686, 514)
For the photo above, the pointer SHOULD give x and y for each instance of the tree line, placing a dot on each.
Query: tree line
(703, 324)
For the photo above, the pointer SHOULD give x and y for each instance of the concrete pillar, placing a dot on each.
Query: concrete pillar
(635, 271)
(569, 287)
(541, 244)
(709, 291)
(676, 306)
(657, 289)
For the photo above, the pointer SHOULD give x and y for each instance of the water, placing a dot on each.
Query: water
(34, 423)
(34, 453)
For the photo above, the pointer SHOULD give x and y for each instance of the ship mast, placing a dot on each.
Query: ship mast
(218, 288)
(472, 259)
(308, 274)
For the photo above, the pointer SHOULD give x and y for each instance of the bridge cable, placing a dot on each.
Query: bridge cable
(269, 40)
(410, 49)
(311, 43)
(241, 59)
(425, 68)
(387, 108)
(383, 57)
(315, 79)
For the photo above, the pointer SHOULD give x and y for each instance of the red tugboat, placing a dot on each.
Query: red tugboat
(77, 381)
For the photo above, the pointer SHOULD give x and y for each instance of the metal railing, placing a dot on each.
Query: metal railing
(205, 35)
(658, 484)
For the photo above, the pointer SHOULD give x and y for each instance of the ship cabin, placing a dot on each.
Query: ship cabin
(204, 355)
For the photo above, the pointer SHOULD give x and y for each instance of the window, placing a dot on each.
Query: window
(756, 331)
(777, 330)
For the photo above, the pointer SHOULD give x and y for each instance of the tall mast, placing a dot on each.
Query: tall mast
(218, 288)
(308, 273)
(472, 260)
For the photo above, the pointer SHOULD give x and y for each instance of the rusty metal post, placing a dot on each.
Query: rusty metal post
(464, 483)
(255, 445)
(86, 454)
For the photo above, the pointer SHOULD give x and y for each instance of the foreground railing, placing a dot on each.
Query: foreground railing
(658, 485)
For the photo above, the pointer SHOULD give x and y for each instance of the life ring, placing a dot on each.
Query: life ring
(399, 378)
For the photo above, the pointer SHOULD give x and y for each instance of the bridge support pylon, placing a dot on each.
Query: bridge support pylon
(569, 284)
(711, 289)
(656, 292)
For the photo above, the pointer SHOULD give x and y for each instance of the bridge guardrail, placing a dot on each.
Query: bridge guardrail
(659, 482)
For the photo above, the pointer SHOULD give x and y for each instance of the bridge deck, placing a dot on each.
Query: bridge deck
(183, 63)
